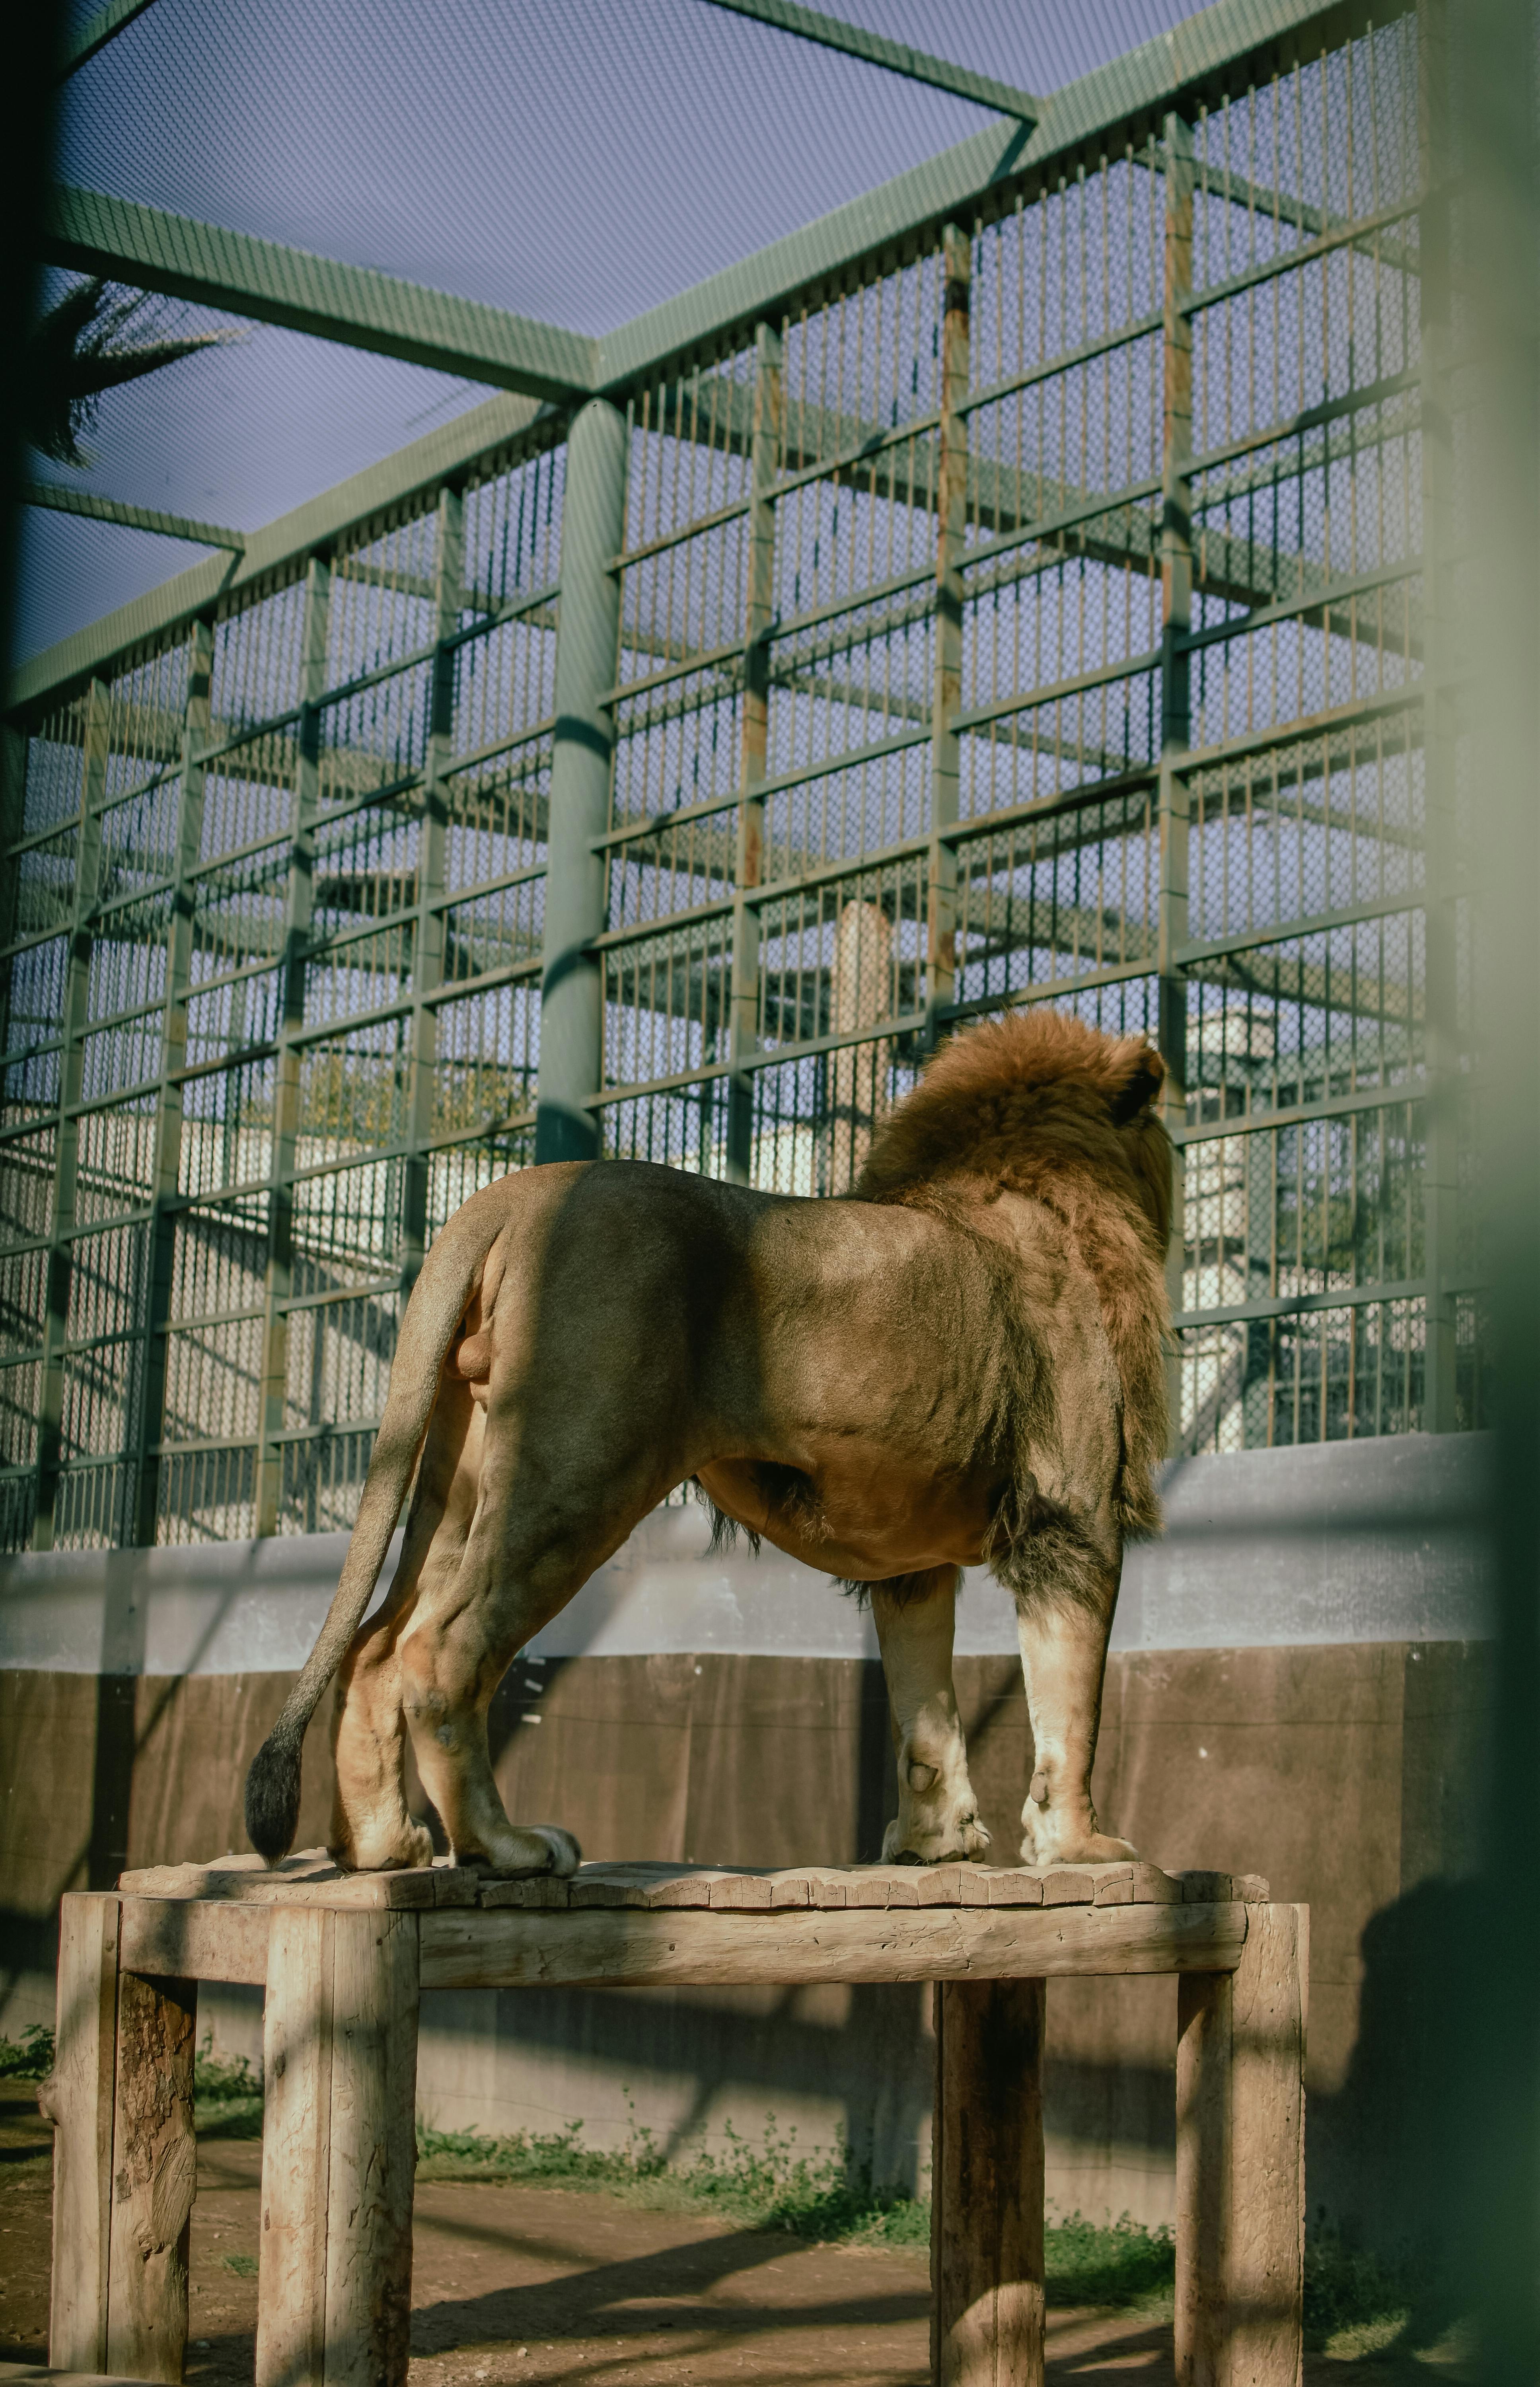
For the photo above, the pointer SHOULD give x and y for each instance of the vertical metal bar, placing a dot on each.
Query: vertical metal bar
(1176, 716)
(951, 443)
(427, 935)
(287, 1089)
(1440, 630)
(588, 639)
(759, 612)
(169, 1105)
(50, 1420)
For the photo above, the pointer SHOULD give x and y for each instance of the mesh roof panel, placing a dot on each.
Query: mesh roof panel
(574, 160)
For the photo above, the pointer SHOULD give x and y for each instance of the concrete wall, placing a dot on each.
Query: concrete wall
(1296, 1688)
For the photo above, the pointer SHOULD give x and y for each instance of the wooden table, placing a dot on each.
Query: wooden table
(344, 1959)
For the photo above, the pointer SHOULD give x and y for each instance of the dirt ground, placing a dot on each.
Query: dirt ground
(514, 2284)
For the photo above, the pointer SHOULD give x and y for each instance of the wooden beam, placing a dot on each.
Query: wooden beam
(618, 1948)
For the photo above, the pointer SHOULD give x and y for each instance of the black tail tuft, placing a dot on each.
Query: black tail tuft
(272, 1796)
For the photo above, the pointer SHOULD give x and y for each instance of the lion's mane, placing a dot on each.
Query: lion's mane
(1040, 1104)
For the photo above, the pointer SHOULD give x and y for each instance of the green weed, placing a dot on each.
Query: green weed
(31, 2057)
(227, 2097)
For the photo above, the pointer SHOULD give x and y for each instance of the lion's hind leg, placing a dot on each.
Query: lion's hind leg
(938, 1816)
(1065, 1585)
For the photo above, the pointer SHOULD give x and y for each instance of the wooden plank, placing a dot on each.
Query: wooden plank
(1241, 2161)
(297, 2140)
(710, 1949)
(1270, 1996)
(197, 1941)
(1014, 1886)
(373, 2149)
(77, 2100)
(742, 1893)
(154, 2175)
(309, 1878)
(1204, 2017)
(987, 2185)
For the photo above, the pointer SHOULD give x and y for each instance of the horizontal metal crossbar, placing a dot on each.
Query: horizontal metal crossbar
(94, 233)
(1330, 1106)
(56, 499)
(1302, 1304)
(872, 49)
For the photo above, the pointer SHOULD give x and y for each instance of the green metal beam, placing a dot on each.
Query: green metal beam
(1131, 90)
(410, 472)
(94, 35)
(95, 232)
(916, 66)
(1098, 106)
(61, 500)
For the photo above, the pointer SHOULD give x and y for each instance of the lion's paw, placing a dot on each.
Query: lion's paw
(525, 1850)
(400, 1849)
(960, 1840)
(1078, 1849)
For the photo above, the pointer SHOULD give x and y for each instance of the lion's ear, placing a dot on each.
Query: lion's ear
(1145, 1076)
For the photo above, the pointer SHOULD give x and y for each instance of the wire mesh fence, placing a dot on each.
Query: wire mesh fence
(1033, 614)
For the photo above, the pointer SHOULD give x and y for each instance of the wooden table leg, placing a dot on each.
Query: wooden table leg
(339, 2148)
(1241, 2161)
(986, 2186)
(154, 2178)
(78, 2099)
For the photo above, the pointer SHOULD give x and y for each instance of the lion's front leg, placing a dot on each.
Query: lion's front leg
(938, 1816)
(1063, 1626)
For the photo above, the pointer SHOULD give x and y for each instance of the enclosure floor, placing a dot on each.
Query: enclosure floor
(514, 2284)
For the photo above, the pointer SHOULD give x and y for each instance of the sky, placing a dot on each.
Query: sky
(574, 160)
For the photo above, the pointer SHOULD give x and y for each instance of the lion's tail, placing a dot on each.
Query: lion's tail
(438, 1302)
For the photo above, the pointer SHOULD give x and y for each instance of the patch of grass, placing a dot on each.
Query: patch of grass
(244, 2266)
(31, 2057)
(1120, 2264)
(773, 2185)
(227, 2098)
(1356, 2304)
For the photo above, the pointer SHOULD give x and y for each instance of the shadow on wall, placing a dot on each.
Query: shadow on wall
(1390, 2157)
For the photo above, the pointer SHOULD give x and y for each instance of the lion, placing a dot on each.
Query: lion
(960, 1364)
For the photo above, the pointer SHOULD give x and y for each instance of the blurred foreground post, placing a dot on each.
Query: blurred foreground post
(1496, 307)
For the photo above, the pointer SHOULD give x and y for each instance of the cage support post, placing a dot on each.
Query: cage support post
(986, 2186)
(759, 612)
(428, 928)
(1241, 2161)
(169, 1105)
(67, 1150)
(1175, 710)
(339, 2064)
(951, 488)
(299, 906)
(1440, 728)
(572, 976)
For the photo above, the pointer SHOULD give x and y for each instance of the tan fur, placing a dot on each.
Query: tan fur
(1028, 1103)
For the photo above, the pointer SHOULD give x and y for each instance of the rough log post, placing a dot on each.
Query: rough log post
(338, 2149)
(78, 2099)
(951, 443)
(572, 978)
(1175, 669)
(986, 2186)
(759, 612)
(154, 2175)
(1241, 2161)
